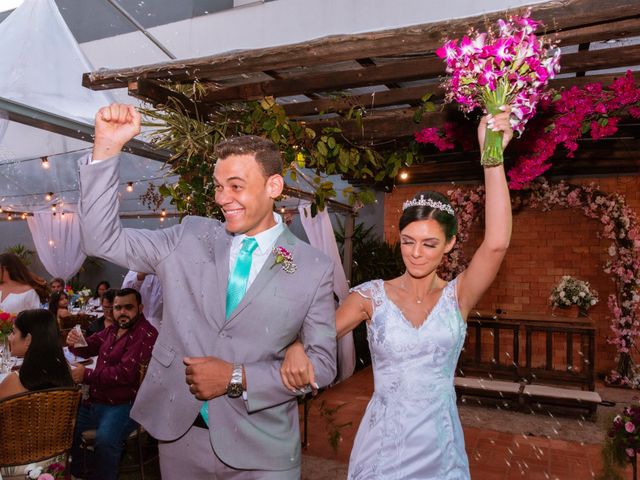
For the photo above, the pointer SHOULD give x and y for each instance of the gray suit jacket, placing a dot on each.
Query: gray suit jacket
(192, 262)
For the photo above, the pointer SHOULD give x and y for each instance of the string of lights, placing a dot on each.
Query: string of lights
(43, 158)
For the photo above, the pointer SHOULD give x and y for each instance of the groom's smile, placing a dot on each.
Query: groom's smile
(245, 194)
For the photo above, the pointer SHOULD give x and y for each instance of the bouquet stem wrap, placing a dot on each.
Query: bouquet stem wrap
(492, 152)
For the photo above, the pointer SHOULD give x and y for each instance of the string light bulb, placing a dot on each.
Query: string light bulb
(53, 208)
(129, 186)
(282, 210)
(9, 217)
(24, 216)
(404, 176)
(163, 213)
(62, 214)
(48, 196)
(1, 210)
(51, 243)
(45, 162)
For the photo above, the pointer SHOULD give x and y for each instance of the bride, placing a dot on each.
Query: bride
(416, 328)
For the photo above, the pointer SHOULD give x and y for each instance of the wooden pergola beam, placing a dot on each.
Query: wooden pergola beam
(367, 100)
(605, 156)
(397, 123)
(384, 125)
(401, 71)
(557, 15)
(412, 95)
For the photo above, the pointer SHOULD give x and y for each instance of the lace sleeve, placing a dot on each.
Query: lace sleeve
(372, 290)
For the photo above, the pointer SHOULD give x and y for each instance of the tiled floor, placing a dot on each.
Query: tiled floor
(492, 454)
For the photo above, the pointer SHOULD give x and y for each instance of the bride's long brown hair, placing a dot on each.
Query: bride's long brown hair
(18, 272)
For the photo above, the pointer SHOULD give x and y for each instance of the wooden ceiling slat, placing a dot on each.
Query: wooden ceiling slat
(383, 125)
(367, 100)
(359, 77)
(600, 32)
(473, 172)
(404, 71)
(412, 94)
(397, 123)
(557, 15)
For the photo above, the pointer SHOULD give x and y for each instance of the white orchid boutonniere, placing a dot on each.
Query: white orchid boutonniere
(284, 258)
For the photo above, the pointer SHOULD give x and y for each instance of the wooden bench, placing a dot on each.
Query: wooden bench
(482, 359)
(535, 398)
(544, 397)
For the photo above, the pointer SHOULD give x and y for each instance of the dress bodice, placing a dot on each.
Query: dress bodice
(413, 360)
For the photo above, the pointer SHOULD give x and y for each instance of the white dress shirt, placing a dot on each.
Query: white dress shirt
(266, 241)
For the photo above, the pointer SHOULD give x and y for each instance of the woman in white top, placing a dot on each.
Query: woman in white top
(19, 288)
(96, 301)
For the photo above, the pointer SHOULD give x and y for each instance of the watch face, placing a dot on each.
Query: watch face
(234, 390)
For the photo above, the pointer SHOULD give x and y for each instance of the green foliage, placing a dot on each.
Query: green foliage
(613, 460)
(325, 152)
(22, 252)
(372, 257)
(334, 429)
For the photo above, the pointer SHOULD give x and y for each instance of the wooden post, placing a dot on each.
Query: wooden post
(347, 257)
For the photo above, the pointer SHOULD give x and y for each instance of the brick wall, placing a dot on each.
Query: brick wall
(544, 246)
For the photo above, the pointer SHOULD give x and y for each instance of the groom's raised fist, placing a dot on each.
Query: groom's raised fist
(115, 126)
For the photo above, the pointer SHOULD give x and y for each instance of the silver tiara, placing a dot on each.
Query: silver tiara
(427, 202)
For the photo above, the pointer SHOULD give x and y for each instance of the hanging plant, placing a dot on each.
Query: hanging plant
(562, 119)
(309, 156)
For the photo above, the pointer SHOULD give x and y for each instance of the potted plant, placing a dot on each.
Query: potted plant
(570, 292)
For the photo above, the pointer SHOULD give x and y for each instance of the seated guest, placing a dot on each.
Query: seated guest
(94, 302)
(57, 284)
(122, 349)
(59, 307)
(35, 338)
(106, 320)
(151, 291)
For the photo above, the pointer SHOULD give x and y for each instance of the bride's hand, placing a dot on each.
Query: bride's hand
(296, 370)
(498, 123)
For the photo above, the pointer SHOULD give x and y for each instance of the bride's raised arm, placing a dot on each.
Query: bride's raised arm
(484, 266)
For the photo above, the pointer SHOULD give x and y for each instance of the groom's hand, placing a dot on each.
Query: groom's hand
(115, 126)
(207, 377)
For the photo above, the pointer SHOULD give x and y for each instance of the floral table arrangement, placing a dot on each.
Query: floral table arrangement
(53, 471)
(6, 327)
(510, 66)
(572, 291)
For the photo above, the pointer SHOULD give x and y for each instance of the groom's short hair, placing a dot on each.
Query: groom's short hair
(264, 151)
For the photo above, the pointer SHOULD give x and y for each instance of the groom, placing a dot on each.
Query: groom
(212, 394)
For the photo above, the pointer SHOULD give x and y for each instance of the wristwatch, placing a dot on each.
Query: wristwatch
(235, 388)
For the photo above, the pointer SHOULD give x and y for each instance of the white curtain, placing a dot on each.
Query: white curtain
(57, 241)
(4, 123)
(320, 234)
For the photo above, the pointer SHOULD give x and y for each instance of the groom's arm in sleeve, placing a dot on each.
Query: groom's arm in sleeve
(101, 230)
(264, 383)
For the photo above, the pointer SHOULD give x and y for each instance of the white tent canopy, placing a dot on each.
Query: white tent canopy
(47, 113)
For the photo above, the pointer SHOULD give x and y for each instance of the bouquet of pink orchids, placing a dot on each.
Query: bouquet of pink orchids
(492, 69)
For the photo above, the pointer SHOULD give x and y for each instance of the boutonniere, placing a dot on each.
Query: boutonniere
(284, 258)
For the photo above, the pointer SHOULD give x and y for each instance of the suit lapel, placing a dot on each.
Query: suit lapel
(266, 274)
(221, 250)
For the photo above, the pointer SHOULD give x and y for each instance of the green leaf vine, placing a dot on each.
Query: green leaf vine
(310, 156)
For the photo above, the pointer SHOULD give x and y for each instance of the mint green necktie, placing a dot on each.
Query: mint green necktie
(238, 279)
(235, 290)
